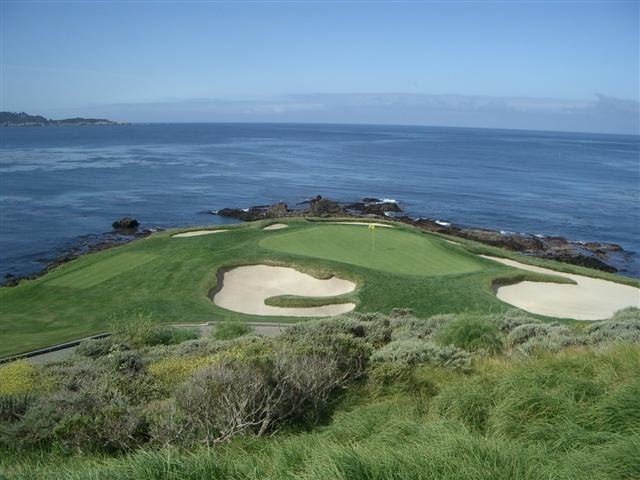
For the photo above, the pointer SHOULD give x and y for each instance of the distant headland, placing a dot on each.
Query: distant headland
(22, 119)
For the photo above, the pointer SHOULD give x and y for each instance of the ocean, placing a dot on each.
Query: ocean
(60, 183)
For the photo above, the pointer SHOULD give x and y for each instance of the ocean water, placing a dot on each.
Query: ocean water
(58, 183)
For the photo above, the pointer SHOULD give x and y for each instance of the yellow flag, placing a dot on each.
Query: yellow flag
(372, 226)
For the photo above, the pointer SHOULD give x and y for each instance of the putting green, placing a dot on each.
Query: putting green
(385, 249)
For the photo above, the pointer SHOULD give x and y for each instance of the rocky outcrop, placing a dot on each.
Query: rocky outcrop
(323, 207)
(277, 210)
(373, 206)
(579, 259)
(125, 223)
(260, 212)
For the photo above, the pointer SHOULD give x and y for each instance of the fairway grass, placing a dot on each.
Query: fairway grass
(171, 279)
(92, 275)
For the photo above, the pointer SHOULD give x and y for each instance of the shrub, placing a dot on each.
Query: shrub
(198, 347)
(14, 406)
(17, 377)
(412, 352)
(133, 328)
(623, 326)
(171, 371)
(230, 329)
(511, 319)
(137, 329)
(373, 328)
(94, 348)
(229, 398)
(407, 328)
(166, 335)
(524, 333)
(551, 338)
(166, 423)
(471, 334)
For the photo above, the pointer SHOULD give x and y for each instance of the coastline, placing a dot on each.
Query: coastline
(600, 256)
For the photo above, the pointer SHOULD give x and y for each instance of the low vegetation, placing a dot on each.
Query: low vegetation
(363, 396)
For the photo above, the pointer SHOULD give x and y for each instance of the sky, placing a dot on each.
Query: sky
(413, 62)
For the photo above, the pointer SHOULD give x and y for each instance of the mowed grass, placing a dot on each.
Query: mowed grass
(170, 278)
(385, 249)
(91, 275)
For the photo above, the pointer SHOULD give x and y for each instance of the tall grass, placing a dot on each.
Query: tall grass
(570, 415)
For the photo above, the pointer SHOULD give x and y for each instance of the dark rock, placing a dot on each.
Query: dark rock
(259, 212)
(517, 243)
(601, 247)
(371, 200)
(306, 202)
(125, 223)
(581, 260)
(232, 213)
(277, 210)
(323, 207)
(373, 208)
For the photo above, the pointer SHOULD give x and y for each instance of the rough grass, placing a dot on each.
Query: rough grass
(169, 279)
(571, 415)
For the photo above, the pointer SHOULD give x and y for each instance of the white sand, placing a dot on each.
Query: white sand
(276, 226)
(359, 223)
(589, 299)
(196, 233)
(452, 242)
(246, 288)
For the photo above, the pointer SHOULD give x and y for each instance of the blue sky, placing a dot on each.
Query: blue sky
(63, 57)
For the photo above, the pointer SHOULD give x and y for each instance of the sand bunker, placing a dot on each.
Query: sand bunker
(589, 299)
(276, 226)
(244, 290)
(196, 233)
(361, 223)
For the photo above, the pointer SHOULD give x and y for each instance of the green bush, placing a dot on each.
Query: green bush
(230, 329)
(511, 319)
(18, 377)
(552, 338)
(95, 348)
(523, 333)
(471, 334)
(413, 352)
(373, 328)
(407, 328)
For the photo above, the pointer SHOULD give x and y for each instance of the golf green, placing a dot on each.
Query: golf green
(387, 249)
